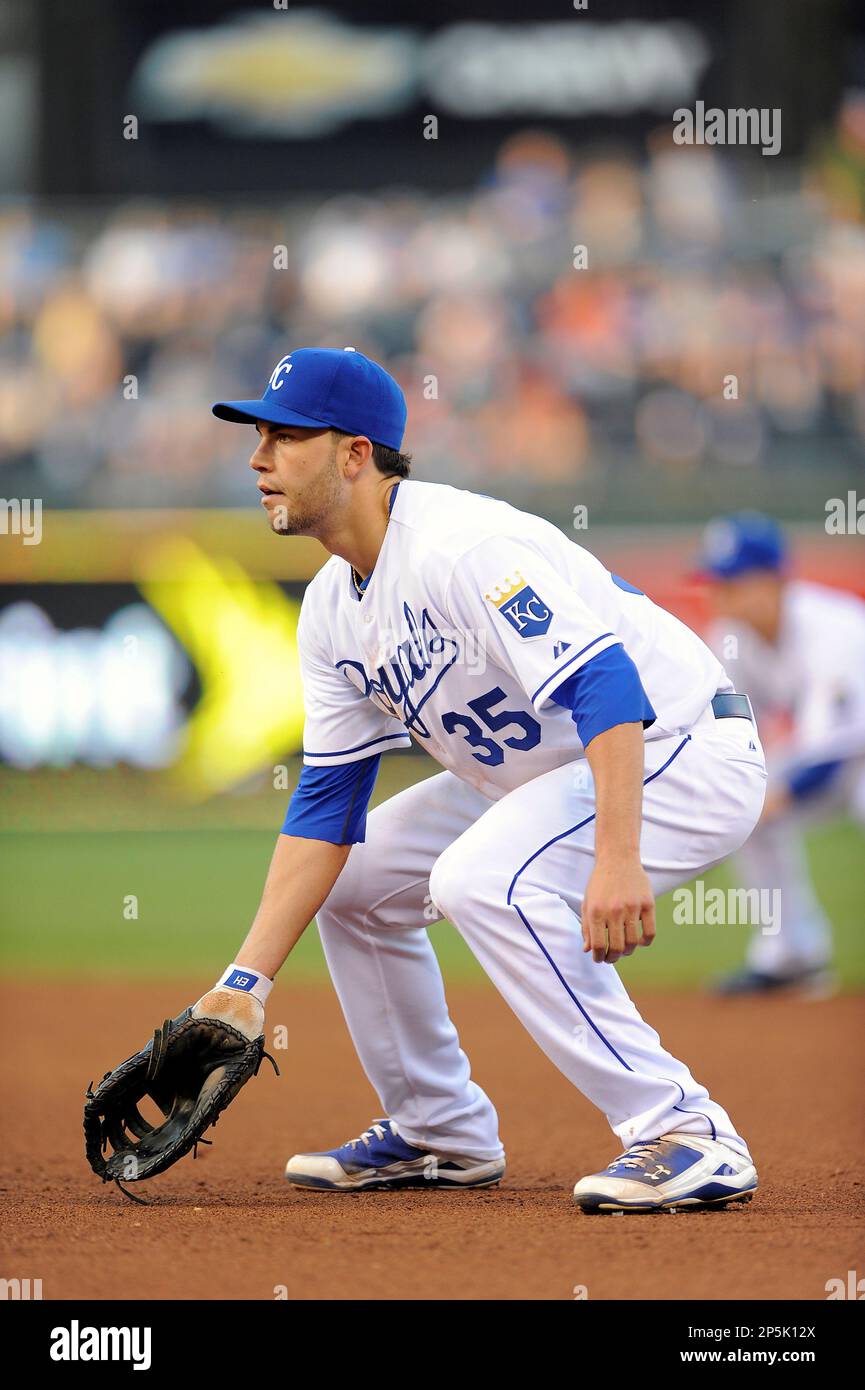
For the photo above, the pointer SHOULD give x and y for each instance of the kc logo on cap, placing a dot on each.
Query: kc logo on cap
(280, 371)
(327, 388)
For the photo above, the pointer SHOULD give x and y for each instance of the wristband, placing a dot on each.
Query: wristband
(246, 981)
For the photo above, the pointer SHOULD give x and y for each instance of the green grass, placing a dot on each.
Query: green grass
(683, 956)
(197, 886)
(65, 896)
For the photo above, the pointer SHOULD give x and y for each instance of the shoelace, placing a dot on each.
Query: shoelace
(376, 1130)
(637, 1156)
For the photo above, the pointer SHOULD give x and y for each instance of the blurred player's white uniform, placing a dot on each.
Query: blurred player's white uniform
(808, 691)
(473, 615)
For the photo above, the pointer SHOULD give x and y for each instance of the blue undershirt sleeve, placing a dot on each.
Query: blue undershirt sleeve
(604, 692)
(330, 803)
(807, 781)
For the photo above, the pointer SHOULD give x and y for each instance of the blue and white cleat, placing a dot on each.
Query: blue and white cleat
(673, 1173)
(812, 981)
(381, 1158)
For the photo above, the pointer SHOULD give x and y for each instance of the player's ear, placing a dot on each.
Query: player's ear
(359, 453)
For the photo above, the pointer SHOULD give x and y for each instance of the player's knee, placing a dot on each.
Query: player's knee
(444, 887)
(456, 880)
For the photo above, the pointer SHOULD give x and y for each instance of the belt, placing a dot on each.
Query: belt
(729, 706)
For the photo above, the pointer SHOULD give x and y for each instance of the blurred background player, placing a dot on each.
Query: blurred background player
(799, 649)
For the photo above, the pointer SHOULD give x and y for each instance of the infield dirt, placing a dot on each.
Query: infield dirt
(226, 1225)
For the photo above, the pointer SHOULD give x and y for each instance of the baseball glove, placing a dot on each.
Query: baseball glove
(192, 1068)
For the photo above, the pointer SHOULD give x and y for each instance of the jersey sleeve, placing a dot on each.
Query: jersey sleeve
(531, 617)
(330, 803)
(341, 723)
(830, 713)
(605, 692)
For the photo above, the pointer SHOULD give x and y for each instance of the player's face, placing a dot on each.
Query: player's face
(298, 477)
(750, 598)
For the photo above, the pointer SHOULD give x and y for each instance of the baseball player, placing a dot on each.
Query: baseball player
(799, 649)
(594, 754)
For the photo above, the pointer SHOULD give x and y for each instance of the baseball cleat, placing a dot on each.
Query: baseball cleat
(673, 1173)
(815, 981)
(381, 1158)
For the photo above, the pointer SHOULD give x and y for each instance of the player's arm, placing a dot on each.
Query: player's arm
(325, 817)
(829, 727)
(301, 875)
(618, 896)
(611, 711)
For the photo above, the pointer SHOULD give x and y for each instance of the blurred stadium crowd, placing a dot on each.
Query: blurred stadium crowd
(118, 326)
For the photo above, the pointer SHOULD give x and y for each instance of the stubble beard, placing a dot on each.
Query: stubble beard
(315, 511)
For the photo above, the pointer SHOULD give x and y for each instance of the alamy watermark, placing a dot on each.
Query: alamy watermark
(845, 516)
(21, 516)
(852, 1288)
(722, 907)
(20, 1290)
(77, 1343)
(737, 126)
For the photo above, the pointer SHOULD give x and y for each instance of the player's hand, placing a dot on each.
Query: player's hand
(618, 911)
(242, 1011)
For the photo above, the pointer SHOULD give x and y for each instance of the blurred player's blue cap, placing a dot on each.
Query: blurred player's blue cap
(740, 544)
(327, 388)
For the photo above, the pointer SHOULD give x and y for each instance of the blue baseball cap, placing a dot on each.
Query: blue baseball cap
(327, 388)
(740, 544)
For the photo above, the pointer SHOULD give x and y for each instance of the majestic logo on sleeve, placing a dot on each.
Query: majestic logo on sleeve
(521, 606)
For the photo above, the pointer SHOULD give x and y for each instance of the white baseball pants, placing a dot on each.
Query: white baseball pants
(510, 875)
(776, 858)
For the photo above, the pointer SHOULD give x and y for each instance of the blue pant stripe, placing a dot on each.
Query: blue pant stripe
(684, 1111)
(539, 943)
(571, 829)
(595, 1029)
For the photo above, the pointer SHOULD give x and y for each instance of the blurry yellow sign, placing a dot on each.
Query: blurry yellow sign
(242, 637)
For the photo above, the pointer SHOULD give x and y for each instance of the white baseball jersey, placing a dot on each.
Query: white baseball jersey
(811, 682)
(474, 614)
